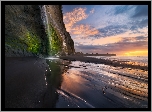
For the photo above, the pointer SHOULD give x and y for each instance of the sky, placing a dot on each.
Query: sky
(118, 29)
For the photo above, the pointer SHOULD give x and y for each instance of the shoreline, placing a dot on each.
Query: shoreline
(103, 61)
(32, 82)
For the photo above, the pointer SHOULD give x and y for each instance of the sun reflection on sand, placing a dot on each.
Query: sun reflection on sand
(82, 84)
(71, 79)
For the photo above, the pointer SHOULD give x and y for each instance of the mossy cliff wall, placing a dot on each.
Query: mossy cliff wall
(25, 34)
(55, 20)
(24, 31)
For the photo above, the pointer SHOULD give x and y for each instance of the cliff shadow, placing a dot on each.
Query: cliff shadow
(53, 77)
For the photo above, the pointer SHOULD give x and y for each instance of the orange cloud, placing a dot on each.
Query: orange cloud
(71, 18)
(84, 30)
(106, 40)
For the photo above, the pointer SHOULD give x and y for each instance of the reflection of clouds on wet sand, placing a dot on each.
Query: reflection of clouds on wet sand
(117, 87)
(75, 84)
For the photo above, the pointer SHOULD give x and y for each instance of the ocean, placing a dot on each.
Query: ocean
(138, 60)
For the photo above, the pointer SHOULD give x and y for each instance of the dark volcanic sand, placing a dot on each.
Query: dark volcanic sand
(44, 83)
(24, 82)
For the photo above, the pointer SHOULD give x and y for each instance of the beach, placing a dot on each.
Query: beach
(74, 82)
(103, 61)
(24, 82)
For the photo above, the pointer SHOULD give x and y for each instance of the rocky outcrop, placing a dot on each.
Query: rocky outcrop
(25, 34)
(55, 18)
(24, 31)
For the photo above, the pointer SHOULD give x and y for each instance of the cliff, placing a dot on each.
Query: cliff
(26, 33)
(55, 19)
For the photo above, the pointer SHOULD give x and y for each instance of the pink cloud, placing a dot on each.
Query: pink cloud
(71, 18)
(84, 30)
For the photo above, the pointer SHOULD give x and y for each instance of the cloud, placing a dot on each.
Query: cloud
(134, 39)
(84, 30)
(92, 11)
(131, 28)
(99, 41)
(121, 47)
(128, 39)
(122, 9)
(135, 10)
(141, 11)
(112, 30)
(141, 38)
(127, 46)
(88, 47)
(116, 32)
(117, 28)
(139, 24)
(70, 18)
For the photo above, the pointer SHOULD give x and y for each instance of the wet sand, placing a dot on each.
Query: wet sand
(72, 83)
(103, 61)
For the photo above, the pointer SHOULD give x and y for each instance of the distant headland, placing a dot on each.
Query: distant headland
(91, 54)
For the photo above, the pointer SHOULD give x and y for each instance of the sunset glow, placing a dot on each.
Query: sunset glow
(119, 29)
(137, 53)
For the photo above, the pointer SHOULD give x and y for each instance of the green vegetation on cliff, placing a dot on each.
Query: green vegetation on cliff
(26, 34)
(24, 31)
(33, 42)
(55, 41)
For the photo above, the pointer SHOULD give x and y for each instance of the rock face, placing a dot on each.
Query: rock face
(55, 19)
(25, 34)
(24, 31)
